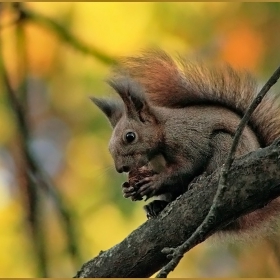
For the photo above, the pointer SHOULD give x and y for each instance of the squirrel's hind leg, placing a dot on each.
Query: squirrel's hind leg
(154, 208)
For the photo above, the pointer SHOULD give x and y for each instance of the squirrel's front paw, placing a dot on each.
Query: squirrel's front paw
(147, 186)
(129, 191)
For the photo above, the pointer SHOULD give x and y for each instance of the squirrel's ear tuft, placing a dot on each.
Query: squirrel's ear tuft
(136, 95)
(132, 94)
(113, 109)
(142, 108)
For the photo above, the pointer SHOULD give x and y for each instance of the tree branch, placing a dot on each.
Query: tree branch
(253, 185)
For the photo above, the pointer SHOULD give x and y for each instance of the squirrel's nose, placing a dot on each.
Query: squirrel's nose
(123, 168)
(126, 168)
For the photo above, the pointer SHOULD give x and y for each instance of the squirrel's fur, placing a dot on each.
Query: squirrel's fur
(183, 82)
(184, 115)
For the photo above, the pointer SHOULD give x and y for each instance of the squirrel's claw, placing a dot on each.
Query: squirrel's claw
(147, 186)
(127, 190)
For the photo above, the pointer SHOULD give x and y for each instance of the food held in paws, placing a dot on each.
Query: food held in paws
(136, 176)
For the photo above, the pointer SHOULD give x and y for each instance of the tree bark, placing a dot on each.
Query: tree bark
(254, 180)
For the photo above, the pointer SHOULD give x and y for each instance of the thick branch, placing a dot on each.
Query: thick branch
(254, 181)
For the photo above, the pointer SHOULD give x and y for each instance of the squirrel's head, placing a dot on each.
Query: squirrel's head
(137, 134)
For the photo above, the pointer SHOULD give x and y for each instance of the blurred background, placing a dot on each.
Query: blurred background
(60, 197)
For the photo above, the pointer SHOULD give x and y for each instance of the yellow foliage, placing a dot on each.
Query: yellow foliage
(85, 155)
(105, 228)
(40, 45)
(116, 28)
(15, 246)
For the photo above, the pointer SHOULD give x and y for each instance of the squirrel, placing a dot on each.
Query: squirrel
(178, 119)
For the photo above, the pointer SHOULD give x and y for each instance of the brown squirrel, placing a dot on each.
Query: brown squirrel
(178, 119)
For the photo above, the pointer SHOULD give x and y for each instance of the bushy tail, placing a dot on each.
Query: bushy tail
(182, 83)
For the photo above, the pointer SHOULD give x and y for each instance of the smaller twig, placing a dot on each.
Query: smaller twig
(38, 233)
(200, 234)
(22, 90)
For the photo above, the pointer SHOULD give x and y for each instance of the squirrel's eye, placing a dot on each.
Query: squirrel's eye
(130, 137)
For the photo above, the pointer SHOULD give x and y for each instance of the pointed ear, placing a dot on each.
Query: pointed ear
(132, 94)
(121, 86)
(144, 110)
(113, 109)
